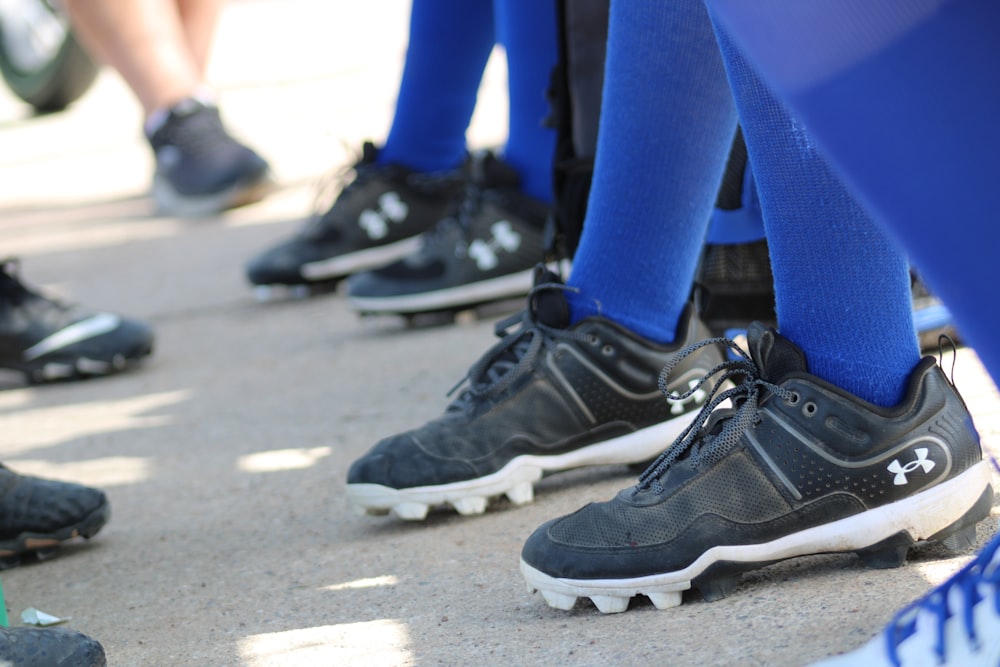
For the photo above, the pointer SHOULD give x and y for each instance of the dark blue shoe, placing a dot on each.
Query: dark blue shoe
(200, 168)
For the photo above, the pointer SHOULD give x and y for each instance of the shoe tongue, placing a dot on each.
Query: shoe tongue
(776, 356)
(549, 305)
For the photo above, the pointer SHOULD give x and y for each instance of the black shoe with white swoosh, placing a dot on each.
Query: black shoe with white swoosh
(797, 467)
(48, 340)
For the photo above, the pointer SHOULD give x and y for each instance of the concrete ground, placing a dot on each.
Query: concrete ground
(225, 456)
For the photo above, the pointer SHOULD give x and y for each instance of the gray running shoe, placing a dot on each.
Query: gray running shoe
(547, 397)
(798, 467)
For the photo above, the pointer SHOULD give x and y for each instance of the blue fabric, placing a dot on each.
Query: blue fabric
(667, 124)
(528, 31)
(842, 287)
(902, 96)
(449, 45)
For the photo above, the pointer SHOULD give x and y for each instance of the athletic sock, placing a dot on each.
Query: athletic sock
(842, 287)
(653, 190)
(528, 32)
(450, 42)
(902, 97)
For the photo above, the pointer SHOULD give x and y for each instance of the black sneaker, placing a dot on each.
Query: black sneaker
(486, 252)
(49, 647)
(957, 624)
(799, 467)
(547, 397)
(375, 219)
(37, 514)
(48, 340)
(200, 168)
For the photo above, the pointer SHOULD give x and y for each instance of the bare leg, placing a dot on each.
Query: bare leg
(199, 19)
(160, 53)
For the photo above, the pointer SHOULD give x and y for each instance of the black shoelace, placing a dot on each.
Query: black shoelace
(512, 357)
(711, 444)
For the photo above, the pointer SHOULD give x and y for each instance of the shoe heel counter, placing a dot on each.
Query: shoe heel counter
(953, 420)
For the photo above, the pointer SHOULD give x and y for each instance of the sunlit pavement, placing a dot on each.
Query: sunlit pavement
(225, 456)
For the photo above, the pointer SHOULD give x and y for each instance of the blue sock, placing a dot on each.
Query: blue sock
(528, 31)
(653, 190)
(450, 42)
(842, 287)
(908, 116)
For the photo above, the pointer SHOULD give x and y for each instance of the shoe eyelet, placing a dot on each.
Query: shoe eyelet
(794, 398)
(809, 409)
(607, 350)
(593, 340)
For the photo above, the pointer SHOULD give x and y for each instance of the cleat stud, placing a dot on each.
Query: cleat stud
(961, 540)
(411, 511)
(374, 511)
(884, 559)
(531, 589)
(263, 293)
(718, 587)
(610, 604)
(890, 552)
(521, 494)
(470, 505)
(559, 600)
(665, 600)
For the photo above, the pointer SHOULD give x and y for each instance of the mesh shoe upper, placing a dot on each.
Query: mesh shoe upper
(196, 156)
(49, 647)
(545, 389)
(496, 232)
(48, 339)
(46, 508)
(795, 456)
(378, 207)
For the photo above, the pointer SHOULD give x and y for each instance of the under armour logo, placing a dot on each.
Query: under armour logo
(484, 253)
(677, 404)
(900, 471)
(390, 209)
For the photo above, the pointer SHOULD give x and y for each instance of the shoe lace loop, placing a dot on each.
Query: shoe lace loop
(697, 442)
(512, 357)
(975, 583)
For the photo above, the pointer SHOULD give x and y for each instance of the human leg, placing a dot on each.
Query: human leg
(557, 392)
(160, 49)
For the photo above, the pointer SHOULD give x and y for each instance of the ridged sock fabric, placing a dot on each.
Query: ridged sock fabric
(902, 98)
(450, 43)
(842, 287)
(667, 124)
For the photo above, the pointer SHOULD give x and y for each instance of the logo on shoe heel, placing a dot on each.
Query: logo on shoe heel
(391, 209)
(678, 405)
(484, 253)
(900, 471)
